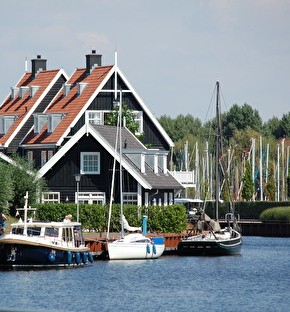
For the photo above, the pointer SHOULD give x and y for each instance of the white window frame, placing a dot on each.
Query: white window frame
(53, 121)
(91, 198)
(130, 198)
(50, 197)
(139, 120)
(30, 155)
(96, 166)
(43, 158)
(6, 122)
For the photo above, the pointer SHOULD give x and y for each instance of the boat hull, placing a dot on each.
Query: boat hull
(210, 247)
(122, 250)
(32, 256)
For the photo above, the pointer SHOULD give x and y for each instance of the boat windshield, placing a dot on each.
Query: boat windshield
(51, 231)
(78, 236)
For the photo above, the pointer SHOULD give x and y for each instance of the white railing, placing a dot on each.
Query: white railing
(186, 178)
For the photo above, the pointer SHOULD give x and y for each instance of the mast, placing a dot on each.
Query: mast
(121, 171)
(218, 149)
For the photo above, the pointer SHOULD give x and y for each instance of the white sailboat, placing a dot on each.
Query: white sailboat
(134, 245)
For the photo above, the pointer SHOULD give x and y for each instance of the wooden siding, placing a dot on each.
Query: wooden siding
(61, 177)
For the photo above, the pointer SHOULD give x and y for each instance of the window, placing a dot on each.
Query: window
(43, 158)
(54, 120)
(49, 154)
(50, 197)
(90, 163)
(95, 117)
(30, 155)
(130, 198)
(39, 121)
(139, 121)
(6, 122)
(92, 198)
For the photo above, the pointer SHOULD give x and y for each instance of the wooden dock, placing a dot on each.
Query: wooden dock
(98, 244)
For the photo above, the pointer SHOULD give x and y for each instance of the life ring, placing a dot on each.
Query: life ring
(77, 257)
(51, 257)
(69, 257)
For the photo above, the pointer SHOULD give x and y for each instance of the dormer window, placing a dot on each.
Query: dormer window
(66, 89)
(54, 120)
(39, 121)
(14, 92)
(6, 121)
(81, 87)
(23, 91)
(33, 90)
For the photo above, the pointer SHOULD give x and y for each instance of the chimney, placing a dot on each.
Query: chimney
(37, 65)
(93, 60)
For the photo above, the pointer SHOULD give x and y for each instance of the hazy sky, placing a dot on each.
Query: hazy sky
(171, 51)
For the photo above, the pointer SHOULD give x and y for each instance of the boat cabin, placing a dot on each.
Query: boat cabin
(67, 234)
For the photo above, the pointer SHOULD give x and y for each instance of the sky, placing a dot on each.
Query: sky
(172, 52)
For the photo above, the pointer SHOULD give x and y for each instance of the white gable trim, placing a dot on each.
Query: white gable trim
(85, 107)
(87, 128)
(30, 112)
(148, 112)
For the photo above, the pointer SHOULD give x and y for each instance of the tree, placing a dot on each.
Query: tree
(273, 127)
(248, 184)
(128, 118)
(270, 187)
(6, 183)
(285, 125)
(24, 178)
(241, 118)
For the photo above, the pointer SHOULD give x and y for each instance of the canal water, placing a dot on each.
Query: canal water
(256, 280)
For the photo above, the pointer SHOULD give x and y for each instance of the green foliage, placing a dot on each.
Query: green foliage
(127, 115)
(270, 187)
(276, 214)
(95, 217)
(181, 126)
(15, 180)
(248, 186)
(6, 183)
(240, 118)
(24, 178)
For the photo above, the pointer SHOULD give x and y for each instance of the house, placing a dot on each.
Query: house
(60, 125)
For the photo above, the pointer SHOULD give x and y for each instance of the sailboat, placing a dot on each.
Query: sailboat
(134, 245)
(214, 241)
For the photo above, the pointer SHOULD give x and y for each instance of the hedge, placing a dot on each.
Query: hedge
(276, 214)
(165, 219)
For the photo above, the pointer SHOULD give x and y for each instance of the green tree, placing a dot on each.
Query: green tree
(24, 178)
(285, 125)
(273, 128)
(270, 187)
(6, 185)
(128, 118)
(241, 118)
(248, 185)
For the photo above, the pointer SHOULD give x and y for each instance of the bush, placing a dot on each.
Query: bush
(165, 219)
(276, 214)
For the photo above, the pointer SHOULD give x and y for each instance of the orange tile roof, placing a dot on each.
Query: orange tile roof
(70, 105)
(22, 106)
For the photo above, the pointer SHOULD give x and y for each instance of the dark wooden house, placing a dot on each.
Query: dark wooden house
(64, 133)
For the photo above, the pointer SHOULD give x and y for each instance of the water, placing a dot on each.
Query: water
(256, 280)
